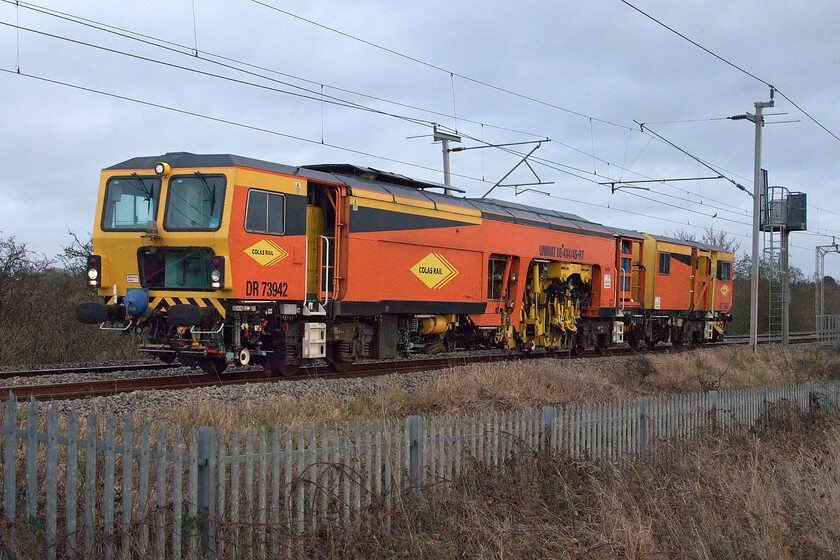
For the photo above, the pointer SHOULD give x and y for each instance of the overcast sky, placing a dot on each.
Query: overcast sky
(577, 73)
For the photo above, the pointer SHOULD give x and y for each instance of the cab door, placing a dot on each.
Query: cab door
(327, 241)
(701, 279)
(500, 299)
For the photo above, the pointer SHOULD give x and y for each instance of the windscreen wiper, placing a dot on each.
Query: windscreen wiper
(211, 193)
(148, 192)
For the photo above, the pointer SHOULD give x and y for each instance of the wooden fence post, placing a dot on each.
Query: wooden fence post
(9, 459)
(765, 409)
(713, 404)
(206, 464)
(415, 450)
(31, 460)
(642, 408)
(813, 399)
(548, 415)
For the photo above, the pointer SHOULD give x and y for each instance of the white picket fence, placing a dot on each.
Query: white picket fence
(828, 329)
(91, 488)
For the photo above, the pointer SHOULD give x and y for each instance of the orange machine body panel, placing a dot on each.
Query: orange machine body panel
(404, 257)
(722, 263)
(669, 266)
(267, 266)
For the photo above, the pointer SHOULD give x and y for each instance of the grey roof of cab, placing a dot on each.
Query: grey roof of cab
(697, 244)
(186, 159)
(377, 181)
(621, 232)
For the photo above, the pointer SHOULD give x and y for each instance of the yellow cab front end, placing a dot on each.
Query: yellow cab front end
(160, 241)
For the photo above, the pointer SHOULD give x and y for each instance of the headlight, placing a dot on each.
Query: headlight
(162, 168)
(93, 274)
(216, 275)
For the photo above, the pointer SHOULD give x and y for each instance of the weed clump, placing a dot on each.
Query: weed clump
(639, 368)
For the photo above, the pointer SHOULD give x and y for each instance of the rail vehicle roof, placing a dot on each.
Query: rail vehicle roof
(398, 185)
(382, 182)
(697, 244)
(621, 232)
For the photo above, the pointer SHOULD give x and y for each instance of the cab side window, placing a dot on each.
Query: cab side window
(724, 271)
(265, 212)
(664, 264)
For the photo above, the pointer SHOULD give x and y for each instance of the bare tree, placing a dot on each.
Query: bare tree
(711, 236)
(20, 270)
(74, 256)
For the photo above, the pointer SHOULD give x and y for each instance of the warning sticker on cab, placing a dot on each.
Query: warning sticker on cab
(434, 271)
(267, 253)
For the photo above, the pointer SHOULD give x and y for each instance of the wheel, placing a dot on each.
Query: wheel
(676, 337)
(338, 366)
(341, 356)
(213, 366)
(166, 357)
(282, 366)
(575, 347)
(602, 344)
(288, 369)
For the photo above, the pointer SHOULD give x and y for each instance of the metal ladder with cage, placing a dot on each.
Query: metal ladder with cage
(773, 258)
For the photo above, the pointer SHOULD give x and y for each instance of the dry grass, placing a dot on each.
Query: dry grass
(766, 497)
(529, 384)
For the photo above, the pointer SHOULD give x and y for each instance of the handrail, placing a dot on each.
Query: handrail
(217, 331)
(620, 280)
(325, 267)
(128, 326)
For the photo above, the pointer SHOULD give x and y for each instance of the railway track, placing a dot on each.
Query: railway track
(75, 390)
(88, 369)
(104, 387)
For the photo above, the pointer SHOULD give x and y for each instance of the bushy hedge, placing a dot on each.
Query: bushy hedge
(37, 301)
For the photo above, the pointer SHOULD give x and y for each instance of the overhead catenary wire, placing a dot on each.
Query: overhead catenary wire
(310, 95)
(695, 158)
(315, 97)
(220, 120)
(338, 147)
(436, 67)
(733, 65)
(277, 133)
(185, 50)
(209, 57)
(544, 162)
(403, 162)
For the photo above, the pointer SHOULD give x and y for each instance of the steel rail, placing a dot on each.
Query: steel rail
(84, 369)
(85, 389)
